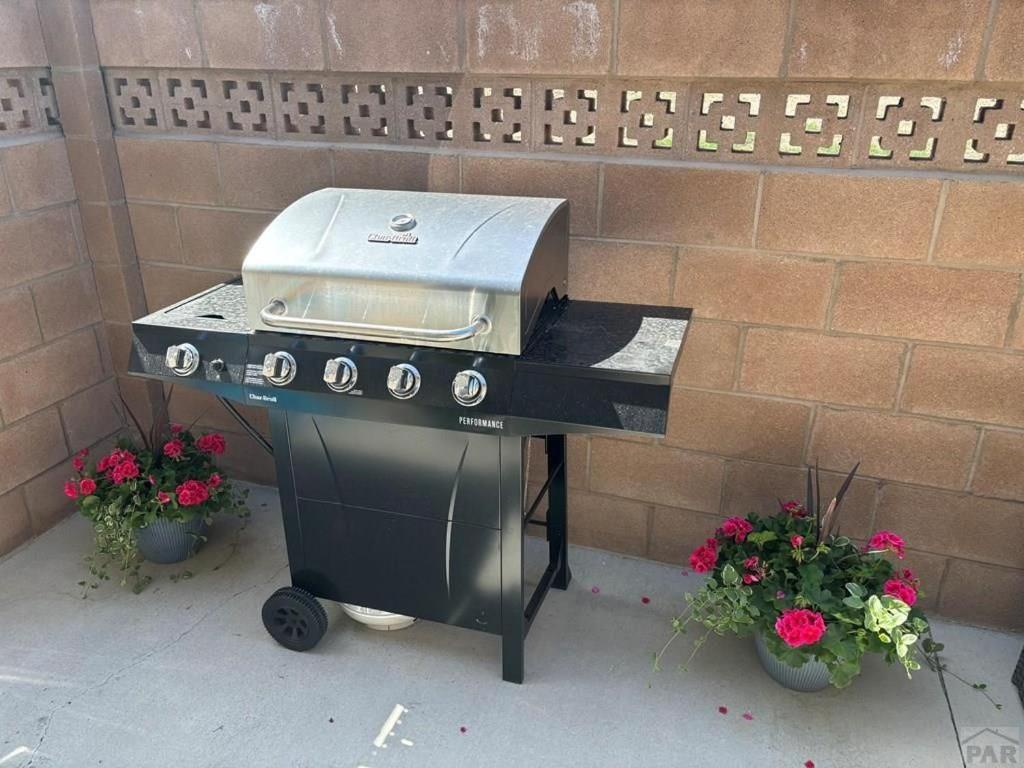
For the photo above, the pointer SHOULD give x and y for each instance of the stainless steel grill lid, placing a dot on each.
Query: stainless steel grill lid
(441, 270)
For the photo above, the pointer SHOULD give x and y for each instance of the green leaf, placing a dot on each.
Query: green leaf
(760, 538)
(856, 589)
(853, 602)
(729, 575)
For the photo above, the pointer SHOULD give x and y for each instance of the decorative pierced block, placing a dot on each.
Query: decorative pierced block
(724, 123)
(367, 112)
(567, 115)
(308, 108)
(46, 101)
(247, 106)
(17, 105)
(817, 125)
(188, 105)
(426, 112)
(135, 100)
(996, 133)
(905, 128)
(496, 114)
(645, 119)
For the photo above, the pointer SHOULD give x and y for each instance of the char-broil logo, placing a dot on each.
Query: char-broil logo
(262, 398)
(399, 238)
(476, 421)
(996, 746)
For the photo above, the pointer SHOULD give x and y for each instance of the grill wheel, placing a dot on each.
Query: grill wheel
(294, 618)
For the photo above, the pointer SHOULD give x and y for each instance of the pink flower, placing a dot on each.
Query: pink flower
(177, 429)
(115, 457)
(162, 497)
(794, 509)
(192, 493)
(748, 716)
(124, 471)
(214, 481)
(595, 590)
(809, 764)
(173, 449)
(212, 443)
(645, 600)
(70, 489)
(750, 578)
(800, 626)
(780, 595)
(901, 591)
(704, 557)
(736, 528)
(907, 575)
(751, 562)
(887, 541)
(87, 486)
(723, 710)
(78, 462)
(151, 479)
(796, 541)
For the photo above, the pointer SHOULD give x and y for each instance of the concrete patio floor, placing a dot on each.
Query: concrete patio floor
(185, 675)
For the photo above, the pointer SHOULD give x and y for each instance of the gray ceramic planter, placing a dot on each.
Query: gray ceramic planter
(812, 676)
(169, 541)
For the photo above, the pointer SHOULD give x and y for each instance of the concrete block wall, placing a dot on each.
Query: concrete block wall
(58, 393)
(835, 188)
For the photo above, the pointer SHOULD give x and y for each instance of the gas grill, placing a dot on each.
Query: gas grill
(408, 346)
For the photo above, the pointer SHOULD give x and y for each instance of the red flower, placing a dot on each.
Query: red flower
(214, 481)
(751, 562)
(887, 541)
(796, 541)
(177, 428)
(750, 578)
(901, 591)
(70, 489)
(87, 486)
(173, 449)
(124, 471)
(162, 497)
(192, 493)
(78, 463)
(794, 509)
(116, 456)
(800, 626)
(736, 528)
(704, 557)
(212, 443)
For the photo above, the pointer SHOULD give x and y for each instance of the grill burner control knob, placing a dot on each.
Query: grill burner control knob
(340, 374)
(403, 381)
(279, 368)
(469, 388)
(182, 359)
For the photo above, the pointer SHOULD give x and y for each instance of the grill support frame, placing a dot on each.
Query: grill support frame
(313, 571)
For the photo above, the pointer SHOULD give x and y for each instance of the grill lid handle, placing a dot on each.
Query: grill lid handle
(275, 314)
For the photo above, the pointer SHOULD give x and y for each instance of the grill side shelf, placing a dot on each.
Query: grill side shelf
(601, 366)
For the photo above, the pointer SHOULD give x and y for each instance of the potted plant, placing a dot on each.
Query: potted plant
(152, 501)
(814, 601)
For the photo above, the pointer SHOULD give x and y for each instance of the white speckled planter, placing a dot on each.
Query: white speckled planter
(812, 676)
(170, 541)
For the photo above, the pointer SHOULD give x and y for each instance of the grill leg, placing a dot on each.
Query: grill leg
(558, 518)
(513, 600)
